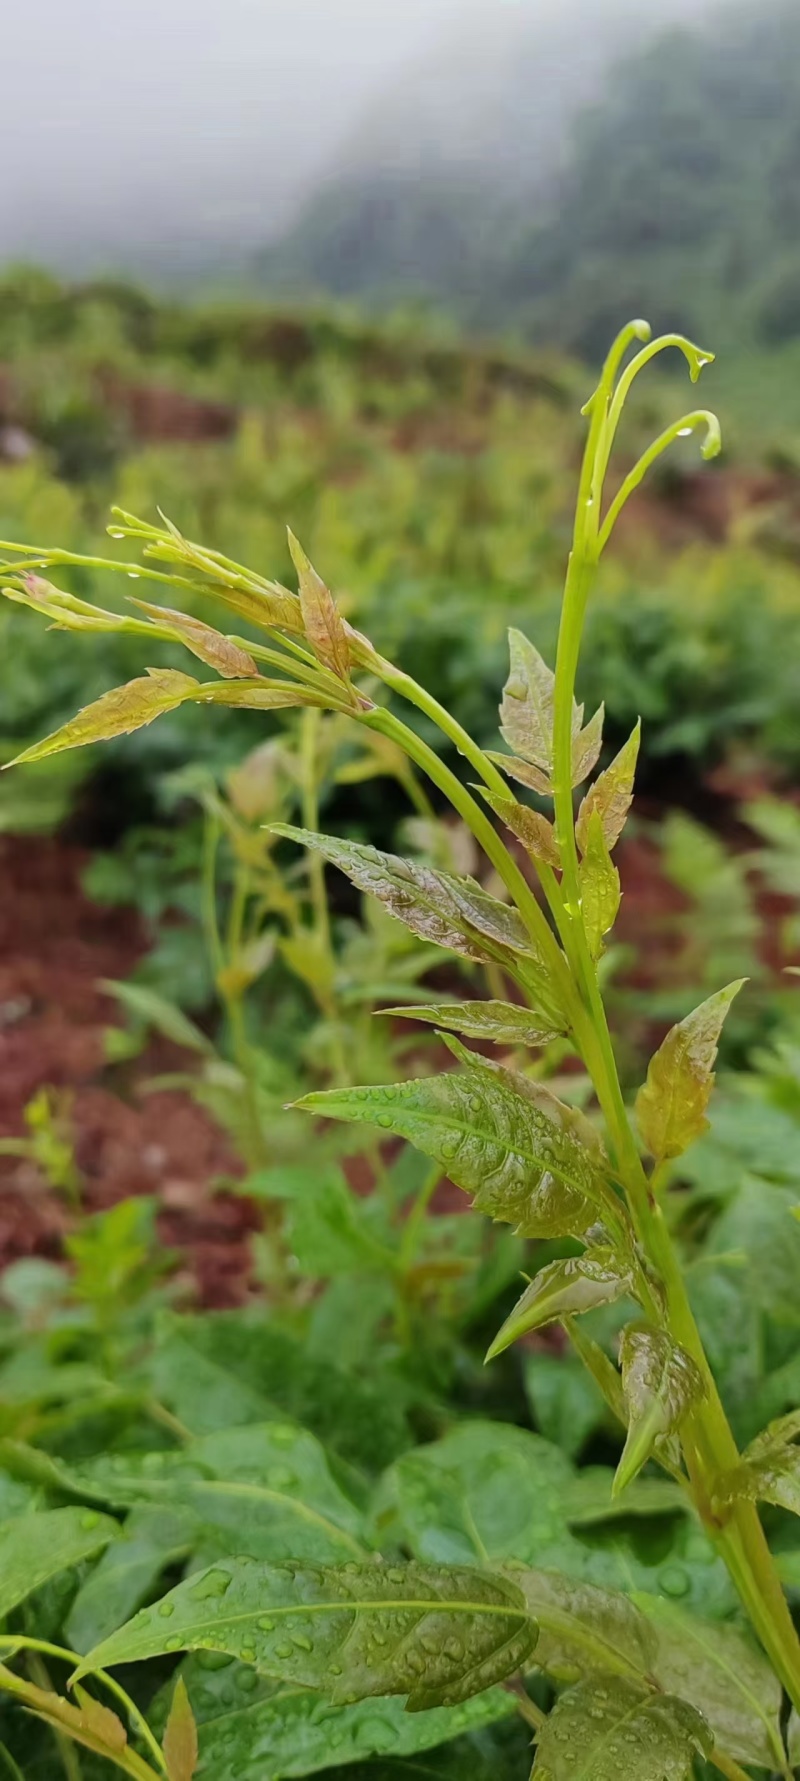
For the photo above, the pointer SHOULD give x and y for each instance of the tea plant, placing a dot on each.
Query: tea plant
(474, 1576)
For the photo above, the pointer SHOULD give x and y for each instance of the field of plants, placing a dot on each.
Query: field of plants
(399, 1340)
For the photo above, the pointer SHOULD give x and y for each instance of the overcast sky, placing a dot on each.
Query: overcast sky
(208, 116)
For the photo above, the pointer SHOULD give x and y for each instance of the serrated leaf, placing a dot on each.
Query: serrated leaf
(117, 712)
(586, 746)
(611, 795)
(449, 911)
(210, 646)
(88, 1723)
(39, 1545)
(527, 708)
(275, 1733)
(331, 1230)
(438, 1635)
(563, 1289)
(323, 623)
(537, 835)
(599, 888)
(260, 695)
(179, 1743)
(661, 1384)
(525, 774)
(528, 1159)
(585, 1631)
(718, 1669)
(503, 1022)
(671, 1105)
(770, 1467)
(604, 1731)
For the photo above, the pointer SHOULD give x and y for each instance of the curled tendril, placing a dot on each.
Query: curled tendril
(689, 423)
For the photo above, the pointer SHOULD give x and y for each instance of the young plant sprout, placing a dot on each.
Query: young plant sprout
(442, 1634)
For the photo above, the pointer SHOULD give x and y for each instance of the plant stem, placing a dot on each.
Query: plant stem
(309, 747)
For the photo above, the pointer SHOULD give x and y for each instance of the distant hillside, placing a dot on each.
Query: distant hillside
(679, 196)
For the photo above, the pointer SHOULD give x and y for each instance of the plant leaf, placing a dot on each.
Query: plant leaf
(164, 1016)
(151, 1540)
(260, 695)
(661, 1384)
(773, 1479)
(449, 911)
(599, 886)
(611, 795)
(89, 1723)
(620, 1731)
(39, 1545)
(671, 1105)
(323, 624)
(435, 1634)
(274, 1732)
(116, 713)
(585, 1631)
(718, 1669)
(537, 835)
(586, 746)
(563, 1289)
(180, 1737)
(528, 1159)
(503, 1022)
(527, 708)
(216, 650)
(525, 774)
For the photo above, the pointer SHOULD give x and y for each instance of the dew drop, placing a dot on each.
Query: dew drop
(246, 1681)
(247, 1654)
(684, 433)
(265, 1625)
(90, 1520)
(674, 1580)
(133, 575)
(301, 1642)
(284, 1652)
(166, 1609)
(214, 1583)
(173, 1643)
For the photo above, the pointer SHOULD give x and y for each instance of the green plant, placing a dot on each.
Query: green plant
(481, 1583)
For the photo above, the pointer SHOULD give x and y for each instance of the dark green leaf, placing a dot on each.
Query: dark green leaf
(585, 1631)
(435, 1635)
(567, 1404)
(37, 1546)
(150, 1541)
(661, 1384)
(528, 1159)
(329, 1229)
(721, 1672)
(671, 1106)
(604, 1731)
(449, 911)
(563, 1289)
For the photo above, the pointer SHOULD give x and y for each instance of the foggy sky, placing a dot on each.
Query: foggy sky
(200, 120)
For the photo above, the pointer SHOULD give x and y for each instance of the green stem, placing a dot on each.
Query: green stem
(16, 1642)
(416, 1219)
(309, 748)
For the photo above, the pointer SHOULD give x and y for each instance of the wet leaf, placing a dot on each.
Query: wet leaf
(530, 827)
(671, 1105)
(503, 1022)
(611, 795)
(721, 1672)
(436, 1634)
(599, 887)
(586, 746)
(323, 624)
(585, 1631)
(260, 695)
(216, 650)
(610, 1729)
(661, 1384)
(528, 1159)
(180, 1737)
(449, 911)
(117, 712)
(252, 1730)
(563, 1289)
(150, 1541)
(770, 1468)
(38, 1546)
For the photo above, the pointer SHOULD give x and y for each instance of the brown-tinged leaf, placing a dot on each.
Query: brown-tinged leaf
(449, 911)
(661, 1383)
(180, 1737)
(323, 623)
(586, 746)
(89, 1723)
(564, 1289)
(671, 1104)
(526, 711)
(611, 795)
(217, 651)
(769, 1471)
(259, 695)
(530, 827)
(502, 1022)
(533, 777)
(599, 885)
(117, 712)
